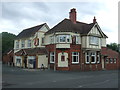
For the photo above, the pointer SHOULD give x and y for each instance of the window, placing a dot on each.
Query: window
(87, 58)
(29, 43)
(75, 57)
(114, 60)
(17, 44)
(62, 38)
(93, 57)
(111, 60)
(98, 58)
(52, 57)
(107, 60)
(31, 59)
(23, 44)
(18, 60)
(94, 40)
(77, 40)
(42, 40)
(52, 39)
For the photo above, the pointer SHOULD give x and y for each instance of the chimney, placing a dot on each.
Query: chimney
(72, 15)
(94, 20)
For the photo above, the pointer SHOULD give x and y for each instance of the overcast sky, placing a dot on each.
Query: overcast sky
(17, 16)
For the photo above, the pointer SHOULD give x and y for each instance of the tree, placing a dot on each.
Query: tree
(113, 46)
(7, 41)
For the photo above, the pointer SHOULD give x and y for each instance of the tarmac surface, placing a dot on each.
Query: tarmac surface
(14, 77)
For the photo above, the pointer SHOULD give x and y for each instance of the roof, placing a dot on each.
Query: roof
(32, 51)
(68, 26)
(29, 32)
(109, 53)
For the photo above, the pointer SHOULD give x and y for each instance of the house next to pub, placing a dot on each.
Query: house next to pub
(69, 45)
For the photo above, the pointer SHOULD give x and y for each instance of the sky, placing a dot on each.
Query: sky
(18, 15)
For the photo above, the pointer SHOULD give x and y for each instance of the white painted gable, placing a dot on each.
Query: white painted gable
(44, 28)
(95, 31)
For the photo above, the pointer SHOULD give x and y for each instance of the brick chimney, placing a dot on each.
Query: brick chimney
(94, 20)
(72, 15)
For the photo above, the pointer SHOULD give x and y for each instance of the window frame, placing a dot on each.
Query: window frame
(107, 60)
(29, 43)
(93, 40)
(23, 44)
(87, 55)
(59, 37)
(52, 55)
(93, 55)
(115, 60)
(77, 56)
(111, 61)
(17, 44)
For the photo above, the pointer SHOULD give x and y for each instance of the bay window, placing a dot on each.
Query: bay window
(93, 57)
(94, 40)
(63, 38)
(114, 60)
(75, 57)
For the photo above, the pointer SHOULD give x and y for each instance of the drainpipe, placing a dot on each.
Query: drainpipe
(54, 53)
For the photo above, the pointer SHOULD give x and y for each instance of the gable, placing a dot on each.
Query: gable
(44, 28)
(96, 31)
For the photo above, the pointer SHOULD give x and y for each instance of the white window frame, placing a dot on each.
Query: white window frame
(94, 40)
(76, 57)
(29, 43)
(17, 44)
(52, 54)
(67, 37)
(22, 43)
(77, 39)
(87, 55)
(98, 58)
(106, 60)
(93, 55)
(115, 60)
(110, 60)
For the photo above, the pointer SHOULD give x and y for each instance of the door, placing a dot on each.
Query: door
(63, 59)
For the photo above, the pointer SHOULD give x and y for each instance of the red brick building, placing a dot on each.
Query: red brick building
(74, 45)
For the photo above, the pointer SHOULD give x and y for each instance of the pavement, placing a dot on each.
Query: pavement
(14, 77)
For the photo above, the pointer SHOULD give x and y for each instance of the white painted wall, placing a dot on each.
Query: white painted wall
(42, 59)
(62, 63)
(103, 42)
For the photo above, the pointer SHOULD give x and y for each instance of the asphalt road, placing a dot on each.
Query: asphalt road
(13, 77)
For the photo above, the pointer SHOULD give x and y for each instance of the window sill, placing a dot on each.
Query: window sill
(94, 44)
(75, 62)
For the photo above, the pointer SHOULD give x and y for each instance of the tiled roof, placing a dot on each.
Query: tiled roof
(68, 26)
(29, 31)
(32, 51)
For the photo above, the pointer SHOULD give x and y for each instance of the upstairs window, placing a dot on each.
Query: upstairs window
(94, 40)
(17, 44)
(42, 40)
(52, 39)
(63, 38)
(29, 43)
(23, 43)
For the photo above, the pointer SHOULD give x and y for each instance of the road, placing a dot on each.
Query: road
(13, 77)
